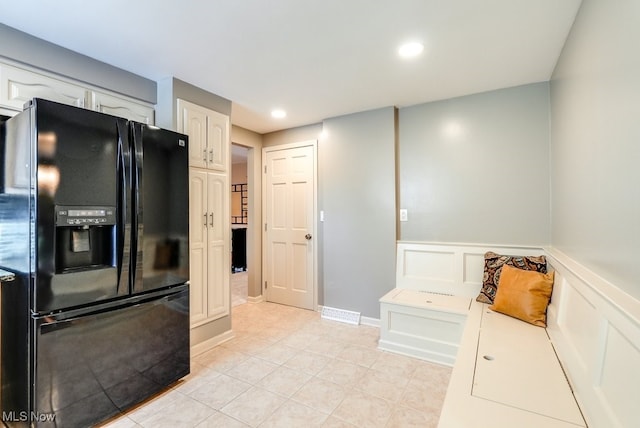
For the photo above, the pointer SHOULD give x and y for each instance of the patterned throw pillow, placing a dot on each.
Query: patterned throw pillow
(493, 266)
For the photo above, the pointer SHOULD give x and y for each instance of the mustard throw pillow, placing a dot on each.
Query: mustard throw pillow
(524, 294)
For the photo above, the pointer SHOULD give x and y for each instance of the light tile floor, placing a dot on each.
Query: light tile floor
(287, 367)
(239, 287)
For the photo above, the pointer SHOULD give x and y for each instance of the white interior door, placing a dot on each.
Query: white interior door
(289, 217)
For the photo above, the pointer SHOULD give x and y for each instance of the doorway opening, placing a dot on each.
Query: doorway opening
(239, 224)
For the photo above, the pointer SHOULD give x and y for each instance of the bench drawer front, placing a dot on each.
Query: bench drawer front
(517, 366)
(432, 335)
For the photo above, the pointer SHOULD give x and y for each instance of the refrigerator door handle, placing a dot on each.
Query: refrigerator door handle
(136, 209)
(122, 233)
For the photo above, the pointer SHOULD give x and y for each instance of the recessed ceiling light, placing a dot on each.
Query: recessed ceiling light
(278, 114)
(410, 50)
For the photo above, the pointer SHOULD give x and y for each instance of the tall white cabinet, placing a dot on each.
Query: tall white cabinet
(209, 211)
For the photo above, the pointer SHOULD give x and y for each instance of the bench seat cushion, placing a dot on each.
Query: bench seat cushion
(520, 383)
(517, 366)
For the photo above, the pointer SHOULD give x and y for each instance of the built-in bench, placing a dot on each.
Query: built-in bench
(507, 375)
(507, 372)
(423, 325)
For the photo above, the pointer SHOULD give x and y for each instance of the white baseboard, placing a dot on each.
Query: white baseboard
(372, 322)
(257, 299)
(211, 343)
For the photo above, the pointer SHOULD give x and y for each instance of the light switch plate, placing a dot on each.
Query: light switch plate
(404, 216)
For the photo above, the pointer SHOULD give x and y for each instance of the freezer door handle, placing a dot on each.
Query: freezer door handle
(136, 209)
(123, 233)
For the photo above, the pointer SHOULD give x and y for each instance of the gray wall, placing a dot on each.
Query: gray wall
(292, 135)
(26, 49)
(475, 169)
(595, 123)
(170, 89)
(356, 163)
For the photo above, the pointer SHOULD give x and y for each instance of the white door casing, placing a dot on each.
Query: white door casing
(289, 207)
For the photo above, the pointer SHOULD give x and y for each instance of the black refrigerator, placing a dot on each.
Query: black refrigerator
(94, 225)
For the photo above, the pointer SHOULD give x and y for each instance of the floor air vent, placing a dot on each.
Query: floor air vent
(341, 315)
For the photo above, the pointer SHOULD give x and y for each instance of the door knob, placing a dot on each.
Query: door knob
(307, 236)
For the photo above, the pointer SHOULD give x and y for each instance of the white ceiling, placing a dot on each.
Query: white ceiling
(314, 58)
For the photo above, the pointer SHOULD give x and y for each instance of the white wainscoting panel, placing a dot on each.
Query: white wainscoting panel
(473, 265)
(447, 268)
(595, 329)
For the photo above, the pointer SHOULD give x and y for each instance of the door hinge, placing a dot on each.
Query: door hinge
(265, 285)
(265, 227)
(265, 169)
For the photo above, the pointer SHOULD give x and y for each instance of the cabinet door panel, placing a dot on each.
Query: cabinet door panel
(116, 106)
(217, 141)
(219, 263)
(198, 245)
(192, 120)
(218, 289)
(19, 86)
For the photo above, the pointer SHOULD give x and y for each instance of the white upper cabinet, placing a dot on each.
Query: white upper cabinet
(19, 86)
(217, 136)
(192, 120)
(208, 133)
(121, 107)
